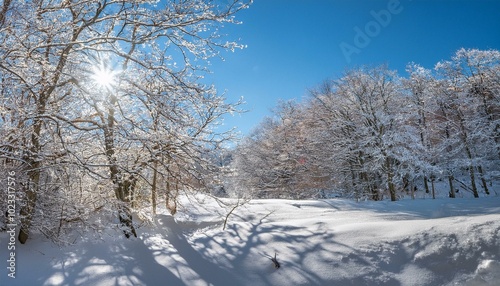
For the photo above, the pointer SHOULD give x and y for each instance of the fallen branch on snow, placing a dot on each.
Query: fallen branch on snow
(275, 261)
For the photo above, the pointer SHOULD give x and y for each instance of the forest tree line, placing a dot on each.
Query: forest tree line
(373, 134)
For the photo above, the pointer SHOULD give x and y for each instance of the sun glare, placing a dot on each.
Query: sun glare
(103, 76)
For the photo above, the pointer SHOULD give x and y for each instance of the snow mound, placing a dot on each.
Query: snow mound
(487, 274)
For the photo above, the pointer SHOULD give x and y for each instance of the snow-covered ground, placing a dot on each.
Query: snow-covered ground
(322, 242)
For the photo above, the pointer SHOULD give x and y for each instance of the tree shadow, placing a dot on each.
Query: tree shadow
(207, 269)
(125, 262)
(308, 255)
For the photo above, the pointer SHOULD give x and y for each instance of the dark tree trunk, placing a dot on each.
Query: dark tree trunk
(473, 181)
(122, 186)
(426, 185)
(154, 187)
(452, 189)
(32, 186)
(390, 179)
(27, 211)
(483, 180)
(127, 226)
(433, 186)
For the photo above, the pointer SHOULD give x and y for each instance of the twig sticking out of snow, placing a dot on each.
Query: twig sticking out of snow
(229, 213)
(275, 261)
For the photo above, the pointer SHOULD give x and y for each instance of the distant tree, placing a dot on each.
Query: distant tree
(274, 161)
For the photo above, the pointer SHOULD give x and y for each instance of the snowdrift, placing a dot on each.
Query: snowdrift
(321, 242)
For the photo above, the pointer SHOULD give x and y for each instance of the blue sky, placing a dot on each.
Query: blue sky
(294, 45)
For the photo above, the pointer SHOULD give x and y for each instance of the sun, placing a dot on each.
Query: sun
(104, 76)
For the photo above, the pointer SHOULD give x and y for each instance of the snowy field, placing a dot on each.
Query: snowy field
(326, 242)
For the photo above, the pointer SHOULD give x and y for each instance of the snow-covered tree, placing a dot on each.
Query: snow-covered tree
(468, 98)
(276, 159)
(367, 124)
(111, 88)
(422, 107)
(372, 132)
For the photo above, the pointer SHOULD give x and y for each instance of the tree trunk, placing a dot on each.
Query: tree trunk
(452, 189)
(471, 172)
(153, 188)
(483, 180)
(392, 191)
(32, 186)
(413, 189)
(390, 179)
(426, 185)
(473, 181)
(122, 186)
(433, 187)
(171, 198)
(28, 209)
(125, 216)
